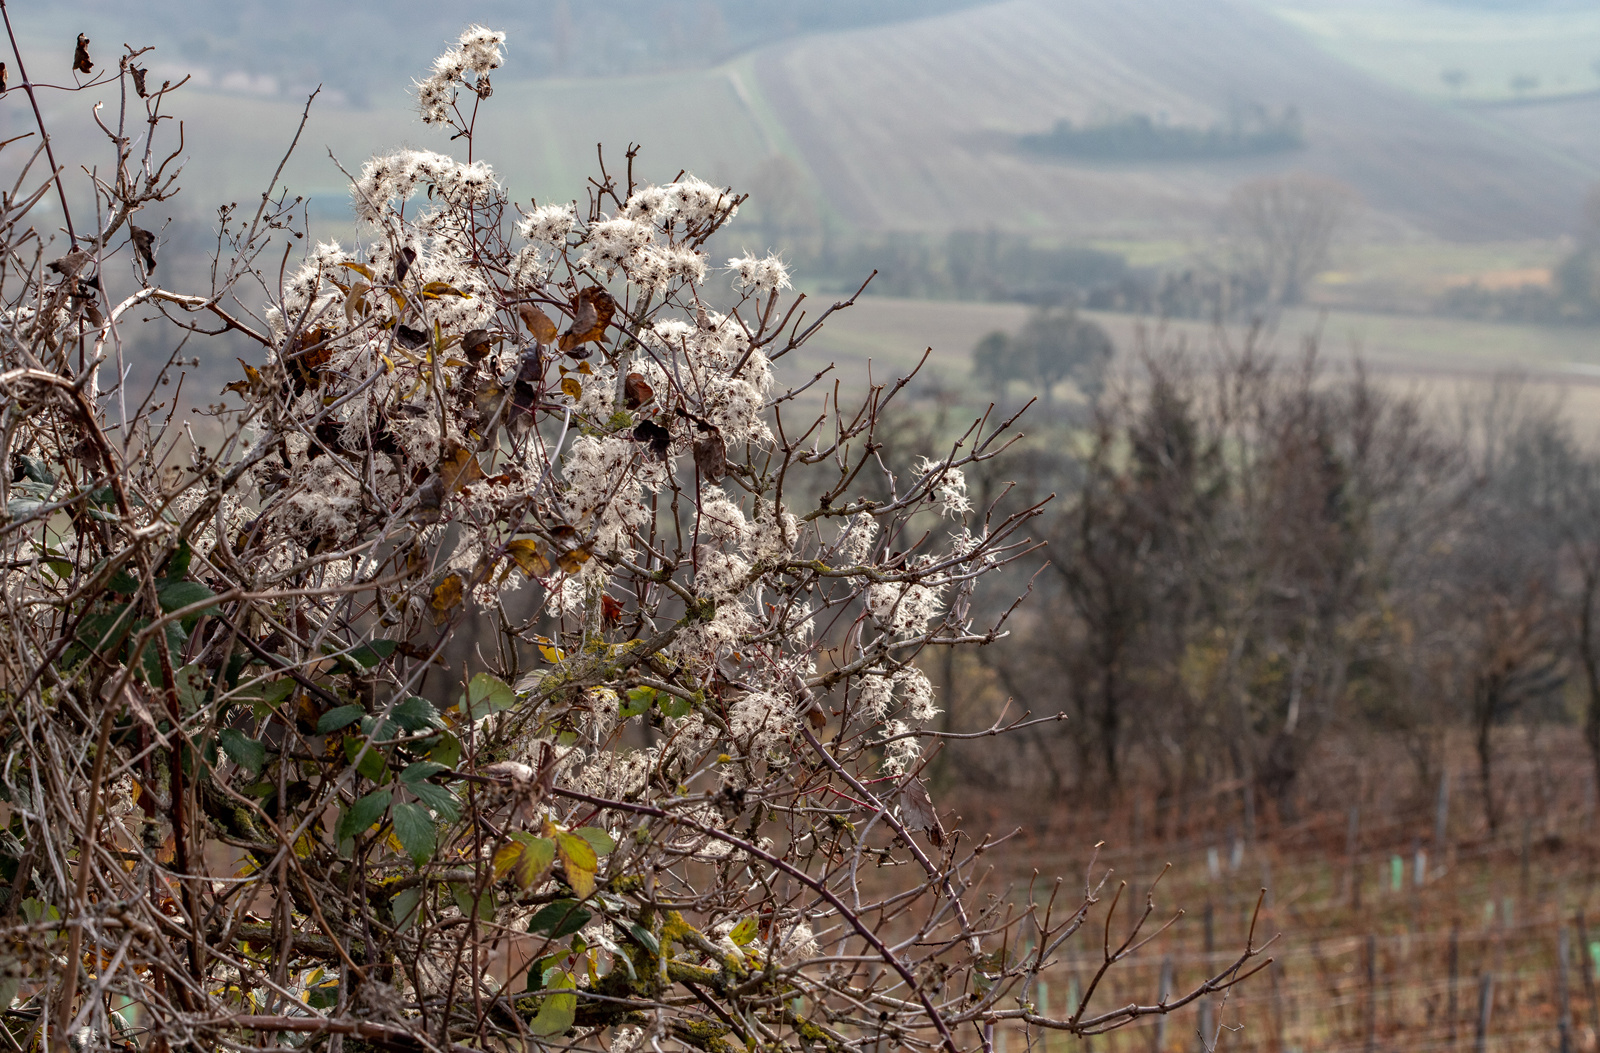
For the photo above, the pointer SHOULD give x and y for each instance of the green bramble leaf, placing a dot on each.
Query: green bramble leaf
(339, 717)
(362, 814)
(487, 694)
(247, 753)
(405, 906)
(483, 907)
(372, 764)
(181, 594)
(639, 701)
(415, 714)
(744, 932)
(559, 918)
(558, 1011)
(413, 826)
(370, 654)
(598, 839)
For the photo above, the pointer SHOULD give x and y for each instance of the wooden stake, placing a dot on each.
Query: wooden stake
(1485, 1005)
(1564, 1005)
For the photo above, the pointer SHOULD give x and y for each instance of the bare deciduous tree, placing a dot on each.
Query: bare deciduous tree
(1281, 230)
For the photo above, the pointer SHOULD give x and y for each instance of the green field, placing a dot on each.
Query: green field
(1438, 358)
(1410, 43)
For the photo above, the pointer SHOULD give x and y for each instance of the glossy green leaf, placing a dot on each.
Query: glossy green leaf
(339, 717)
(639, 700)
(645, 937)
(559, 918)
(488, 694)
(181, 594)
(673, 706)
(371, 765)
(415, 714)
(247, 753)
(419, 772)
(362, 814)
(439, 798)
(414, 827)
(371, 653)
(447, 752)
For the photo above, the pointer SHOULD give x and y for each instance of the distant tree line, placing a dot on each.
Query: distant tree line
(1250, 131)
(1275, 235)
(963, 265)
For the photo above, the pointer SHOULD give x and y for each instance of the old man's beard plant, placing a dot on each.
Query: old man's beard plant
(668, 793)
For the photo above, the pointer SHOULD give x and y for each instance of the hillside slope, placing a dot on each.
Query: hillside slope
(912, 126)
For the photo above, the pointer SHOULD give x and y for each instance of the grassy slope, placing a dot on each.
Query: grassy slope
(909, 125)
(931, 148)
(540, 136)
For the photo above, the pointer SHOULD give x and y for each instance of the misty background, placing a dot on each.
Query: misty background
(1028, 151)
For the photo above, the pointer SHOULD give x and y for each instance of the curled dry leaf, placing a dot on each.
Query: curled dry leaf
(918, 813)
(459, 468)
(446, 597)
(475, 344)
(590, 317)
(636, 391)
(403, 262)
(656, 438)
(711, 455)
(537, 322)
(524, 551)
(81, 63)
(139, 73)
(144, 243)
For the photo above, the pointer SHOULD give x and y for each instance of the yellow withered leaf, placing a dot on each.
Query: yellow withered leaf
(360, 268)
(525, 550)
(526, 858)
(573, 558)
(579, 861)
(434, 290)
(571, 388)
(252, 380)
(458, 468)
(447, 594)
